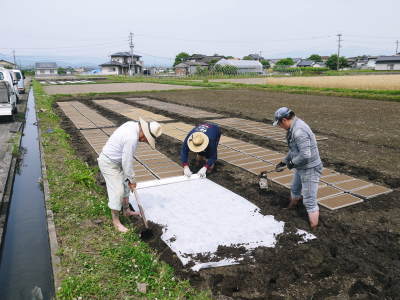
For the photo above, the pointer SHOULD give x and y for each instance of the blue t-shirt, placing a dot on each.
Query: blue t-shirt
(214, 133)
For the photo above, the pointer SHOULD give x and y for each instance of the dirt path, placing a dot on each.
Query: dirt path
(356, 255)
(112, 87)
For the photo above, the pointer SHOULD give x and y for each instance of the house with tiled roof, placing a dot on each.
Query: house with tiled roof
(45, 69)
(122, 63)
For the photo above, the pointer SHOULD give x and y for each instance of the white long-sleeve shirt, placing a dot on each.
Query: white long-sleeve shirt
(121, 146)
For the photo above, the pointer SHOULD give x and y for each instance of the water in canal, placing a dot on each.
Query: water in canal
(25, 266)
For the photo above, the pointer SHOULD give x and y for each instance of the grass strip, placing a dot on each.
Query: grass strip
(96, 261)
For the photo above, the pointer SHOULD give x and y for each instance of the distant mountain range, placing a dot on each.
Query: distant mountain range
(27, 61)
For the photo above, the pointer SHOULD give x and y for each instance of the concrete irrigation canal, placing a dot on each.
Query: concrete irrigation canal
(25, 265)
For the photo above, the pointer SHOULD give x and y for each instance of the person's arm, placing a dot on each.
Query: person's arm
(185, 152)
(303, 143)
(127, 158)
(213, 146)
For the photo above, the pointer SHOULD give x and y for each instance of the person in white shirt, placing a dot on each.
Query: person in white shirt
(116, 164)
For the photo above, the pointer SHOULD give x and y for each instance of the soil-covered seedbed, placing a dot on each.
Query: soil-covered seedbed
(356, 254)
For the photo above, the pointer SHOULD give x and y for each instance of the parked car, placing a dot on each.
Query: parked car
(8, 99)
(21, 83)
(8, 75)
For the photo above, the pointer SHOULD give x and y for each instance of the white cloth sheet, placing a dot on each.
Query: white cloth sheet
(199, 215)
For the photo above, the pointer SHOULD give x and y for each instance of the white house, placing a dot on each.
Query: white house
(46, 69)
(243, 66)
(122, 63)
(387, 63)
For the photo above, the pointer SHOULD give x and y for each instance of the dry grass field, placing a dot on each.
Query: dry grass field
(365, 82)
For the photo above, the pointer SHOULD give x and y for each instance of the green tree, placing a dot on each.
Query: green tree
(332, 62)
(229, 57)
(61, 71)
(180, 58)
(265, 63)
(247, 57)
(285, 62)
(315, 57)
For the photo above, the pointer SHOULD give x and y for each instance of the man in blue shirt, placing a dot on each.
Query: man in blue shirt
(203, 140)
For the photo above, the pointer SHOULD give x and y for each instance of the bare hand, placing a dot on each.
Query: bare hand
(132, 186)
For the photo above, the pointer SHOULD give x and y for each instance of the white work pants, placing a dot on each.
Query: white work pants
(117, 188)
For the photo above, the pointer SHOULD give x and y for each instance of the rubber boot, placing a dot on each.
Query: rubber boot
(313, 218)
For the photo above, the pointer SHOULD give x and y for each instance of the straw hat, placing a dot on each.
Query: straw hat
(151, 130)
(198, 141)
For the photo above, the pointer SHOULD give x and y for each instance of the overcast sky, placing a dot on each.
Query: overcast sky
(96, 28)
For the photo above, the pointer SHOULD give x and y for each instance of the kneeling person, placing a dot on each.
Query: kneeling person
(203, 140)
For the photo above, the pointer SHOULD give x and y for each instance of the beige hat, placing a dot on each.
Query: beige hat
(151, 130)
(198, 141)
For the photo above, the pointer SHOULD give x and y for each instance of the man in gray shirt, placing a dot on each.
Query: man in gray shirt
(303, 156)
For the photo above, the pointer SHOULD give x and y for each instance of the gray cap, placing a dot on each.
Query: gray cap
(281, 113)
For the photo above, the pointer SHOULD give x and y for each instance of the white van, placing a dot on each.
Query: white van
(7, 75)
(8, 99)
(21, 83)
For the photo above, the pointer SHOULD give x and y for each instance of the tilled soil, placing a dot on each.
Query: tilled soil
(356, 254)
(363, 134)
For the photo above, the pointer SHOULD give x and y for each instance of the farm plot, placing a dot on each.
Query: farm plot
(257, 128)
(82, 116)
(129, 111)
(338, 263)
(362, 134)
(149, 164)
(177, 109)
(112, 88)
(255, 159)
(163, 207)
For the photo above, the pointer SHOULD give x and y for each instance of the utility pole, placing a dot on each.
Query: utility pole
(260, 55)
(131, 69)
(338, 51)
(15, 62)
(397, 47)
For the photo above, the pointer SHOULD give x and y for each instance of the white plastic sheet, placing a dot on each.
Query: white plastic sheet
(199, 215)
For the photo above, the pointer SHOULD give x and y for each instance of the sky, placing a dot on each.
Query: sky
(88, 31)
